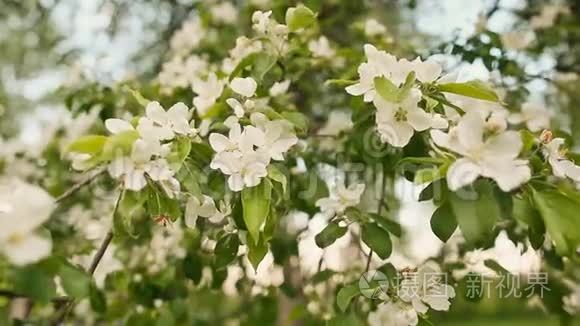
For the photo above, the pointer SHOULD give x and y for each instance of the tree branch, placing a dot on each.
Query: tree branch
(72, 190)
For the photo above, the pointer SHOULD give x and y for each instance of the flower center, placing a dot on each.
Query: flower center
(401, 114)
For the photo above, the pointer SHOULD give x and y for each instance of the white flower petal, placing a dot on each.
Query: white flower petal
(244, 86)
(28, 249)
(397, 134)
(505, 145)
(156, 113)
(116, 126)
(461, 173)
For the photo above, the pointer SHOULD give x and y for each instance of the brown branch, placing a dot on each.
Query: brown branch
(72, 190)
(64, 310)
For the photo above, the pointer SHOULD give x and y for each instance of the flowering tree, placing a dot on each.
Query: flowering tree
(253, 178)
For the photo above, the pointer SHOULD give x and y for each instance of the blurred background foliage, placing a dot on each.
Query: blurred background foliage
(48, 43)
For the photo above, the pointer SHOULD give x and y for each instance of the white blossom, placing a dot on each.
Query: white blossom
(338, 121)
(224, 13)
(374, 28)
(188, 37)
(424, 289)
(535, 116)
(244, 86)
(180, 73)
(321, 48)
(239, 108)
(494, 157)
(393, 314)
(23, 209)
(279, 88)
(131, 169)
(208, 91)
(341, 198)
(547, 16)
(397, 122)
(261, 21)
(278, 134)
(236, 157)
(207, 209)
(382, 64)
(163, 124)
(276, 33)
(561, 166)
(517, 40)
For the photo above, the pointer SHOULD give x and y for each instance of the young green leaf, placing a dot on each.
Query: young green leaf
(345, 296)
(256, 206)
(257, 252)
(277, 175)
(443, 222)
(560, 214)
(90, 144)
(475, 89)
(226, 250)
(476, 212)
(34, 283)
(329, 234)
(75, 281)
(377, 239)
(386, 89)
(299, 17)
(298, 120)
(119, 144)
(526, 213)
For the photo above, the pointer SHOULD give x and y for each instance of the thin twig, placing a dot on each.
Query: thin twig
(370, 257)
(64, 310)
(72, 190)
(100, 253)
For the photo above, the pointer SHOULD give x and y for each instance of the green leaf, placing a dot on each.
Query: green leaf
(262, 65)
(476, 212)
(119, 144)
(526, 213)
(386, 223)
(257, 252)
(299, 17)
(159, 205)
(189, 177)
(34, 283)
(226, 250)
(275, 174)
(339, 82)
(475, 89)
(377, 239)
(427, 175)
(97, 299)
(345, 296)
(495, 266)
(528, 140)
(443, 222)
(298, 120)
(329, 234)
(386, 89)
(201, 154)
(247, 61)
(129, 209)
(180, 148)
(256, 205)
(75, 281)
(560, 214)
(90, 144)
(406, 87)
(192, 267)
(139, 97)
